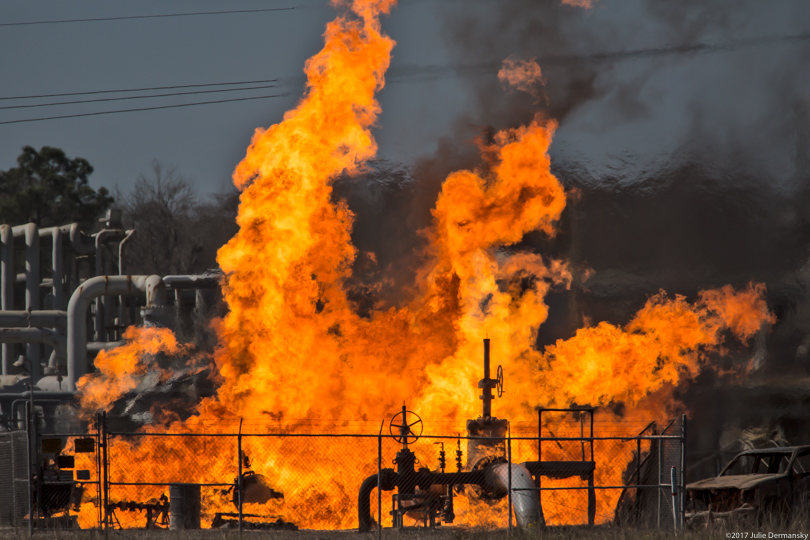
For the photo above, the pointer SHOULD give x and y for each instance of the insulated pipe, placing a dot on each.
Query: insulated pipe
(101, 303)
(152, 286)
(525, 499)
(7, 278)
(200, 281)
(36, 335)
(32, 281)
(39, 319)
(57, 267)
(80, 242)
(122, 304)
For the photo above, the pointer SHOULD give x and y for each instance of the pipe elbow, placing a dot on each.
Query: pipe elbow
(388, 481)
(155, 291)
(81, 243)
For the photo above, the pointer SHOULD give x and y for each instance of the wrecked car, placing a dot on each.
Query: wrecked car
(755, 483)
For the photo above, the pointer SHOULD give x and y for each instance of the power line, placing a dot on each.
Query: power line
(148, 16)
(140, 89)
(99, 100)
(142, 109)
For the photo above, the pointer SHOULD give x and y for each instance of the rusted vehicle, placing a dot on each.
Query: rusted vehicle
(755, 483)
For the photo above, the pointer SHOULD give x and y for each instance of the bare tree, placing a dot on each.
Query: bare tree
(160, 207)
(176, 233)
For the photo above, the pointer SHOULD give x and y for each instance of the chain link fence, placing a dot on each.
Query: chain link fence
(13, 478)
(570, 472)
(567, 476)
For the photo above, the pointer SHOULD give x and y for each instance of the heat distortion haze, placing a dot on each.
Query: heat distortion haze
(296, 354)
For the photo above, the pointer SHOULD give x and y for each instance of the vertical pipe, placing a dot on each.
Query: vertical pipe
(240, 486)
(638, 463)
(509, 484)
(122, 301)
(6, 285)
(32, 282)
(108, 302)
(99, 330)
(57, 286)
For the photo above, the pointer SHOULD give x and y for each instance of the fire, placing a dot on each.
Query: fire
(119, 370)
(293, 351)
(522, 74)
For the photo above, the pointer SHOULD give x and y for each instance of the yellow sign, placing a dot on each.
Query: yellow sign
(84, 446)
(51, 446)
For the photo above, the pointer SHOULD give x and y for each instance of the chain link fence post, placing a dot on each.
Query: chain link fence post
(105, 489)
(683, 472)
(239, 484)
(29, 424)
(509, 472)
(379, 482)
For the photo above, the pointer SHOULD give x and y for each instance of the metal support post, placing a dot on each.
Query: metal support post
(674, 482)
(509, 471)
(29, 411)
(379, 481)
(240, 486)
(683, 470)
(106, 476)
(98, 470)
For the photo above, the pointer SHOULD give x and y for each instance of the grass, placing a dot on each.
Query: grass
(718, 531)
(776, 525)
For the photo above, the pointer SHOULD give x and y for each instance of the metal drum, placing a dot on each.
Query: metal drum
(184, 506)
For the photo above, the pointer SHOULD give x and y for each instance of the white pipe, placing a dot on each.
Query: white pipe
(36, 335)
(32, 281)
(81, 243)
(7, 277)
(102, 304)
(41, 319)
(57, 267)
(122, 301)
(525, 498)
(152, 286)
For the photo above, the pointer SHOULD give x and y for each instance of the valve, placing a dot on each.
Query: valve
(458, 455)
(499, 379)
(406, 435)
(442, 456)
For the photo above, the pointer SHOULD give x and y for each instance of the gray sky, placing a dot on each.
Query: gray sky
(203, 142)
(624, 116)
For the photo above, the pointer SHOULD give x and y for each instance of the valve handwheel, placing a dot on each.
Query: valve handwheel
(500, 381)
(400, 435)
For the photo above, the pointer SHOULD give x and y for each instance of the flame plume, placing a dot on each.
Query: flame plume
(293, 350)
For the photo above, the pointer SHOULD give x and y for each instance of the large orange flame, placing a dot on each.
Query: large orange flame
(294, 351)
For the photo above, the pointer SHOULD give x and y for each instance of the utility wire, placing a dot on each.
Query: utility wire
(148, 16)
(140, 89)
(98, 100)
(142, 109)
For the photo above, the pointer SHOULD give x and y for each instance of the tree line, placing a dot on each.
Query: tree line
(177, 231)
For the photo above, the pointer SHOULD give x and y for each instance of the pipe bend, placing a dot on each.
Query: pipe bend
(387, 483)
(94, 287)
(81, 243)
